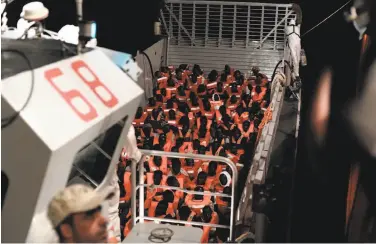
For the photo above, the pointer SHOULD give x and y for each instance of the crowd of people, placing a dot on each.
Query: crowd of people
(219, 115)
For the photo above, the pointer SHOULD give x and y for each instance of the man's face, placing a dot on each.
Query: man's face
(90, 227)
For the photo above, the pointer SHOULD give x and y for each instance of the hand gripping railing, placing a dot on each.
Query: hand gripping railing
(141, 186)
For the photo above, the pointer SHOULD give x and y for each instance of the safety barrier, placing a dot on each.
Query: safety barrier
(140, 186)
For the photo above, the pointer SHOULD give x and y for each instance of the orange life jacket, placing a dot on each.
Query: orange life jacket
(197, 205)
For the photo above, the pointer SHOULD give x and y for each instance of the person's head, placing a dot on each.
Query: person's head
(206, 104)
(158, 74)
(233, 99)
(178, 74)
(194, 78)
(181, 91)
(189, 162)
(213, 75)
(196, 196)
(170, 104)
(258, 89)
(201, 88)
(202, 150)
(216, 97)
(222, 110)
(170, 82)
(212, 168)
(207, 214)
(255, 108)
(176, 166)
(256, 123)
(155, 113)
(246, 125)
(157, 177)
(152, 102)
(139, 112)
(201, 178)
(161, 208)
(168, 196)
(172, 181)
(258, 80)
(159, 98)
(75, 214)
(157, 160)
(184, 213)
(237, 74)
(197, 70)
(223, 77)
(172, 114)
(255, 70)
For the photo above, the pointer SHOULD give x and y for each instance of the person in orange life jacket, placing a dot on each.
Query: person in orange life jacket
(212, 80)
(191, 167)
(232, 103)
(254, 110)
(234, 89)
(158, 163)
(197, 202)
(199, 181)
(208, 216)
(159, 100)
(171, 85)
(202, 91)
(216, 101)
(227, 70)
(246, 128)
(183, 213)
(258, 94)
(173, 181)
(166, 95)
(206, 109)
(219, 90)
(171, 117)
(203, 134)
(196, 69)
(151, 105)
(194, 103)
(179, 74)
(181, 95)
(152, 191)
(170, 105)
(140, 117)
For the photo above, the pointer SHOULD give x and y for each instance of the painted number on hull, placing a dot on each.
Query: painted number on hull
(79, 104)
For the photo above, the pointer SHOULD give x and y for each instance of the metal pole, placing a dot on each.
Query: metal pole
(134, 192)
(260, 228)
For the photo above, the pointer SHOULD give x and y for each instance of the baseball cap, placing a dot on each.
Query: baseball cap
(75, 199)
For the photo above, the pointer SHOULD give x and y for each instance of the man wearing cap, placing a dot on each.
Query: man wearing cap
(75, 214)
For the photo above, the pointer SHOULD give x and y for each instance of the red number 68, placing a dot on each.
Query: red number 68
(98, 88)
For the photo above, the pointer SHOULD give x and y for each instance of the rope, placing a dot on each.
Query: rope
(326, 18)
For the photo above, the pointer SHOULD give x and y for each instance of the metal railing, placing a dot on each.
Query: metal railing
(232, 24)
(140, 186)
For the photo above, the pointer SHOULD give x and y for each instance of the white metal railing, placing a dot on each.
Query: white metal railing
(232, 24)
(140, 186)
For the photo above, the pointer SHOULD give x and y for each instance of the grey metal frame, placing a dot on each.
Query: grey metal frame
(140, 186)
(214, 33)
